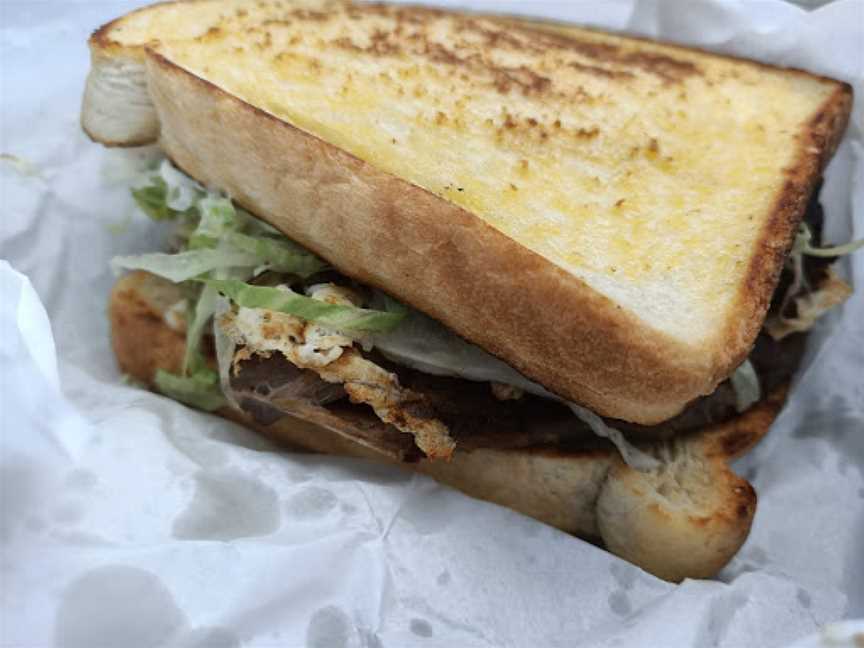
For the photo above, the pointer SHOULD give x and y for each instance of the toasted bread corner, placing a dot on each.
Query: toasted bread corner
(687, 519)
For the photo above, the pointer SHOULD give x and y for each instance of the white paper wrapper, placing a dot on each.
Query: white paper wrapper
(129, 520)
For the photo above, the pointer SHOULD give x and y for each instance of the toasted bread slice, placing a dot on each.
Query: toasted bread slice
(608, 215)
(685, 520)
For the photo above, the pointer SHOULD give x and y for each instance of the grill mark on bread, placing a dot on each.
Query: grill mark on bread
(378, 46)
(668, 69)
(529, 81)
(663, 66)
(600, 71)
(497, 38)
(309, 15)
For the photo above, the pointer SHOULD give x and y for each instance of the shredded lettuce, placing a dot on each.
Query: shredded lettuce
(165, 193)
(428, 346)
(186, 265)
(280, 255)
(745, 382)
(632, 456)
(255, 226)
(225, 348)
(200, 389)
(221, 243)
(182, 192)
(804, 245)
(202, 312)
(210, 221)
(217, 217)
(336, 316)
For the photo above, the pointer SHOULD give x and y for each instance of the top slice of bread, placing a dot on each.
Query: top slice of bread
(609, 215)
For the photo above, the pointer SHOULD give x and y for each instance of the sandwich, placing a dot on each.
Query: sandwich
(565, 271)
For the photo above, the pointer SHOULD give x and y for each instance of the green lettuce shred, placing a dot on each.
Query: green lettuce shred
(745, 382)
(200, 389)
(217, 217)
(221, 246)
(186, 265)
(803, 246)
(202, 311)
(284, 300)
(183, 192)
(255, 226)
(212, 233)
(152, 200)
(280, 255)
(225, 348)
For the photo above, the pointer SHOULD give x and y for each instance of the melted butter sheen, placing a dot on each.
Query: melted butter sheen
(647, 173)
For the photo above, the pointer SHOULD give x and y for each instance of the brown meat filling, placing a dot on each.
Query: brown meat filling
(266, 387)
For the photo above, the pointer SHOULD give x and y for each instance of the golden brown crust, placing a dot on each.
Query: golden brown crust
(690, 528)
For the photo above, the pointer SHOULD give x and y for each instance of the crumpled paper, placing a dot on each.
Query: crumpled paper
(129, 520)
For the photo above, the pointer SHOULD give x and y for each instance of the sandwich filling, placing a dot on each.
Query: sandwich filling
(286, 329)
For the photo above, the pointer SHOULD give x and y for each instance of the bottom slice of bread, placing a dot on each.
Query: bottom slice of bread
(684, 520)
